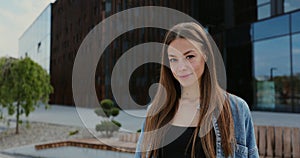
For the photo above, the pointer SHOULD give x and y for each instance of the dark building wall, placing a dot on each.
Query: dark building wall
(245, 12)
(71, 22)
(73, 19)
(237, 54)
(229, 22)
(238, 47)
(147, 74)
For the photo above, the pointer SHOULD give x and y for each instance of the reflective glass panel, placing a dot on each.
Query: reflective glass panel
(108, 7)
(296, 70)
(296, 22)
(273, 27)
(262, 1)
(272, 73)
(290, 5)
(263, 12)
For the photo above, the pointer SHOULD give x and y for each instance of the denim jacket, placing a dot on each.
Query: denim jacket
(243, 127)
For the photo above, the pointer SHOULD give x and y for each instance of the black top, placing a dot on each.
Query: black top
(178, 143)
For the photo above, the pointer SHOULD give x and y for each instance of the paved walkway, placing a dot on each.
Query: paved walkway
(276, 119)
(131, 120)
(83, 117)
(5, 156)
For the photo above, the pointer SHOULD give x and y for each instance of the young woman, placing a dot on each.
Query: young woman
(191, 115)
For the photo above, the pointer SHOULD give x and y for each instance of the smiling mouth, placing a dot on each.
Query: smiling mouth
(185, 76)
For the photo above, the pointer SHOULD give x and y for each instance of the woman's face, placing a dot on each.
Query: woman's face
(186, 62)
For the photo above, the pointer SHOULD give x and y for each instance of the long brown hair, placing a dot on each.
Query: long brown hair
(213, 99)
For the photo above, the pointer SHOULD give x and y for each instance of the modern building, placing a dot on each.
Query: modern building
(35, 41)
(276, 56)
(72, 21)
(259, 41)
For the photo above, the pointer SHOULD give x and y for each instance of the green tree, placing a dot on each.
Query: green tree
(23, 85)
(5, 98)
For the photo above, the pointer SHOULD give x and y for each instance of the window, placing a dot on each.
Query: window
(261, 2)
(108, 7)
(270, 28)
(263, 9)
(119, 7)
(39, 47)
(267, 55)
(290, 5)
(124, 3)
(296, 22)
(296, 70)
(272, 73)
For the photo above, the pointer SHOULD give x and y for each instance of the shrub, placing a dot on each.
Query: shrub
(107, 127)
(114, 112)
(116, 123)
(100, 112)
(108, 111)
(73, 132)
(107, 104)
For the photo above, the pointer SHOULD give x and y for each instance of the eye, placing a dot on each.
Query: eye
(190, 56)
(172, 60)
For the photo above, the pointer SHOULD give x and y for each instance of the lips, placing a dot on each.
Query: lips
(184, 76)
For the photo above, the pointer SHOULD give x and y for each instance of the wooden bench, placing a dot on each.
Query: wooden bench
(278, 141)
(272, 141)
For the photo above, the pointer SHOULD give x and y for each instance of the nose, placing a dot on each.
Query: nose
(182, 65)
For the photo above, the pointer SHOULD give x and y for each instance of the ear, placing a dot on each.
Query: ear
(205, 57)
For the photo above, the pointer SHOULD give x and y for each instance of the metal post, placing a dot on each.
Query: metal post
(271, 72)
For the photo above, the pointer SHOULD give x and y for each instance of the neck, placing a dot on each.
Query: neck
(191, 92)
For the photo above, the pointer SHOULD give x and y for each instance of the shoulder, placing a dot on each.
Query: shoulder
(239, 106)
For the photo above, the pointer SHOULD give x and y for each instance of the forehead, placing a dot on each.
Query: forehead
(180, 45)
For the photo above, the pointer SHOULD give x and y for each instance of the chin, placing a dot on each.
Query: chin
(187, 84)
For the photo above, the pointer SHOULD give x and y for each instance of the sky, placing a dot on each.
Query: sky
(15, 17)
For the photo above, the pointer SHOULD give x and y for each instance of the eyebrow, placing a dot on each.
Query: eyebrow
(187, 52)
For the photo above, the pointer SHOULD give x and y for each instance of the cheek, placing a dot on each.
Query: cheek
(173, 70)
(198, 68)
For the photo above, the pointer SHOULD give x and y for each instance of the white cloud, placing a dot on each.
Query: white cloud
(31, 10)
(14, 20)
(296, 51)
(8, 29)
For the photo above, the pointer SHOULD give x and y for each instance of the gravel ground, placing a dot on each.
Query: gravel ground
(39, 133)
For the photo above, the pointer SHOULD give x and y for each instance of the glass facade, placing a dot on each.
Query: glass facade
(270, 28)
(35, 41)
(271, 54)
(263, 9)
(271, 8)
(261, 2)
(296, 22)
(296, 67)
(276, 70)
(272, 71)
(291, 5)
